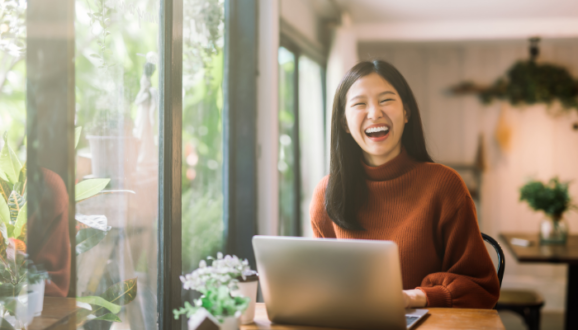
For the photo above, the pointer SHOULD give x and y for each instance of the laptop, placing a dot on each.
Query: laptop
(332, 283)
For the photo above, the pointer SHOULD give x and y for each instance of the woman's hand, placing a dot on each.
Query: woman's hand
(414, 298)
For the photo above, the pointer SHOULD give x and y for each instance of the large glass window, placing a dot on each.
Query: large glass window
(116, 68)
(109, 94)
(288, 191)
(202, 201)
(311, 135)
(13, 75)
(301, 161)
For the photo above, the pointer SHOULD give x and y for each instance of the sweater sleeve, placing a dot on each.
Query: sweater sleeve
(320, 222)
(468, 278)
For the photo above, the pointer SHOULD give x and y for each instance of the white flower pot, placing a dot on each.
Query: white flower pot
(230, 323)
(37, 302)
(248, 289)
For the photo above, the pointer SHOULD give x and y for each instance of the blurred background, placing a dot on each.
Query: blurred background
(304, 49)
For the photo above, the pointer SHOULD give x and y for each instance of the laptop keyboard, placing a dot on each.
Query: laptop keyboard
(409, 320)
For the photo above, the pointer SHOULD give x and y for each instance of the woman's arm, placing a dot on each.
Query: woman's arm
(468, 278)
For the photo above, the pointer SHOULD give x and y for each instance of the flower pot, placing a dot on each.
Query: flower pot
(37, 302)
(248, 288)
(230, 323)
(553, 230)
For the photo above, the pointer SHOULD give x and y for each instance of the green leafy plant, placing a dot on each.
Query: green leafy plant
(215, 283)
(528, 82)
(552, 198)
(16, 269)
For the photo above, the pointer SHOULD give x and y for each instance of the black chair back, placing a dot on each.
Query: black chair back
(500, 253)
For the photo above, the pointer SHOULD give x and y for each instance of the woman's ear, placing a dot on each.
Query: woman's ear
(406, 114)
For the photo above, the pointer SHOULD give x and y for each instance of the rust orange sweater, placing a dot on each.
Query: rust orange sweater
(427, 210)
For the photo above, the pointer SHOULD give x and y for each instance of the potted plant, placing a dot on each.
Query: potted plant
(553, 199)
(219, 285)
(21, 282)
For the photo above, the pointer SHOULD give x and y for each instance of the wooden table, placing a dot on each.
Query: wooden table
(560, 254)
(56, 314)
(438, 318)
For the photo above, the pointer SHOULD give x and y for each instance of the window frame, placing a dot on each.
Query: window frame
(299, 45)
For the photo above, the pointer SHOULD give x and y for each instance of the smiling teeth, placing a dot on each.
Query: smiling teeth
(377, 129)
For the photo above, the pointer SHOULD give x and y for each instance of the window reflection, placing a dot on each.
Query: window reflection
(117, 108)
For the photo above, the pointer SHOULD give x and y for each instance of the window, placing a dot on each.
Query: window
(117, 102)
(102, 107)
(301, 161)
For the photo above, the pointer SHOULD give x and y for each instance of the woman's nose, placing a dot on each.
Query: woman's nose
(373, 111)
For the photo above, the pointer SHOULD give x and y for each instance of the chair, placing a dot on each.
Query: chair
(526, 303)
(500, 253)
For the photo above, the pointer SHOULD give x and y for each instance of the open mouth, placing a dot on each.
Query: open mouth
(377, 132)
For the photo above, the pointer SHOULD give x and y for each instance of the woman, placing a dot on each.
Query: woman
(383, 185)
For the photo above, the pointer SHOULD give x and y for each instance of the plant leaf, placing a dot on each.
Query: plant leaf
(109, 317)
(5, 189)
(89, 188)
(99, 301)
(20, 221)
(5, 325)
(9, 163)
(3, 240)
(22, 179)
(121, 293)
(87, 238)
(4, 211)
(15, 204)
(93, 221)
(77, 131)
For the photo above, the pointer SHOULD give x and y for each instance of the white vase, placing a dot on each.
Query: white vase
(230, 323)
(38, 301)
(248, 289)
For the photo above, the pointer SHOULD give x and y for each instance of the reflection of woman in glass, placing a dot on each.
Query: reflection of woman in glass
(383, 185)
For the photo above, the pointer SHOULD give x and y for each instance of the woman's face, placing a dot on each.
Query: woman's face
(375, 118)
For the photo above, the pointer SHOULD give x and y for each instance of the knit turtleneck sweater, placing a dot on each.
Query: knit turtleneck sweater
(427, 210)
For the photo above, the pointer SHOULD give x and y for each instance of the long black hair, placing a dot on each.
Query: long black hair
(346, 190)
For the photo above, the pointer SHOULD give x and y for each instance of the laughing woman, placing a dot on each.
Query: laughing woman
(383, 185)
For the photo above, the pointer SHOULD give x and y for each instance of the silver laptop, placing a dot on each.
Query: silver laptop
(332, 283)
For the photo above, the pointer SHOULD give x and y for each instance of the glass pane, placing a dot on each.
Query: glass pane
(311, 135)
(117, 156)
(286, 160)
(202, 200)
(13, 75)
(14, 284)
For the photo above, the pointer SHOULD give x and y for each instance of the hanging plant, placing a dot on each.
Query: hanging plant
(527, 83)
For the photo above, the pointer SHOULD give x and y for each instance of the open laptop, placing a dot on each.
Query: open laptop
(332, 283)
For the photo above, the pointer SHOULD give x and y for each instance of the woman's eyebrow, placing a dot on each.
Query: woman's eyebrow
(357, 97)
(386, 92)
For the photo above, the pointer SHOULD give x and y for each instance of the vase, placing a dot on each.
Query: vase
(230, 323)
(248, 288)
(553, 230)
(36, 304)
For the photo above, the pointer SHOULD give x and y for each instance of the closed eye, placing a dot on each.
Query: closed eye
(383, 101)
(356, 104)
